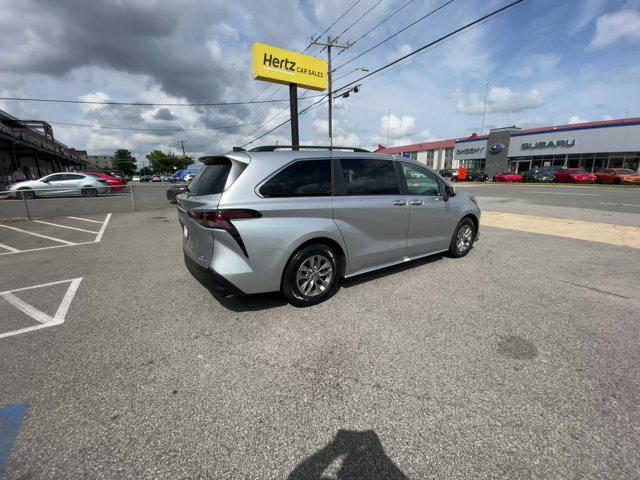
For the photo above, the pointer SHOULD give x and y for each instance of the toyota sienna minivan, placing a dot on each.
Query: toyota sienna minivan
(298, 221)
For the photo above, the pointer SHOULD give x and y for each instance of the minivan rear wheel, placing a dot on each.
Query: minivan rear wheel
(311, 276)
(462, 239)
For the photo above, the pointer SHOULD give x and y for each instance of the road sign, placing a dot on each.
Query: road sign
(272, 64)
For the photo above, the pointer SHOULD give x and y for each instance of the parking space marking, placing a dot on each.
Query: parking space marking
(86, 220)
(38, 315)
(619, 204)
(563, 193)
(66, 226)
(620, 235)
(99, 234)
(7, 247)
(53, 239)
(104, 227)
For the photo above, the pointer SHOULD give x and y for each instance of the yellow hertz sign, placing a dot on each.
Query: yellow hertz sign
(273, 64)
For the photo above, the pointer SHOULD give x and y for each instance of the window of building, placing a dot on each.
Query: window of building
(430, 158)
(448, 158)
(369, 177)
(304, 178)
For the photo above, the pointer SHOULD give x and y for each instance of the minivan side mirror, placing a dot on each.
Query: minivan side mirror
(449, 192)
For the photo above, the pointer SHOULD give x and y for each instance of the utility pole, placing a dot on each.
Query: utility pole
(329, 44)
(484, 109)
(181, 142)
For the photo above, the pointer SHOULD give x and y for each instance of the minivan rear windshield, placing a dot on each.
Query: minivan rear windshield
(216, 176)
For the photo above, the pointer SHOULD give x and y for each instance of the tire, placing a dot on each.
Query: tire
(314, 258)
(89, 192)
(26, 193)
(462, 239)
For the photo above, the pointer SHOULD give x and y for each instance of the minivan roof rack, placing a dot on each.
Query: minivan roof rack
(271, 148)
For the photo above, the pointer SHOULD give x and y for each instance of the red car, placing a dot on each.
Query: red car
(575, 175)
(507, 177)
(114, 182)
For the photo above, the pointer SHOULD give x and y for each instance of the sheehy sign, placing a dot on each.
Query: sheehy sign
(272, 64)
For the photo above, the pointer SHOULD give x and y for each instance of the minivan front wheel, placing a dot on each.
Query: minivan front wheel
(462, 239)
(311, 276)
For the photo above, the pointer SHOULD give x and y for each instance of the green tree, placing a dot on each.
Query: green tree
(167, 162)
(124, 161)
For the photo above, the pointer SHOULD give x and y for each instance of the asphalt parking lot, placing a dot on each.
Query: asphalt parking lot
(520, 360)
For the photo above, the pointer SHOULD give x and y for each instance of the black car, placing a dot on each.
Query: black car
(174, 190)
(540, 175)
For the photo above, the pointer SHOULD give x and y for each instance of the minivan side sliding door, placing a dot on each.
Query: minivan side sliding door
(370, 211)
(432, 220)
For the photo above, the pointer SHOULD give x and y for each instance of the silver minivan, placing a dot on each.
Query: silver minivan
(298, 221)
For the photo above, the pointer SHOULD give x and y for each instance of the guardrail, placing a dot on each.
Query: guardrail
(54, 202)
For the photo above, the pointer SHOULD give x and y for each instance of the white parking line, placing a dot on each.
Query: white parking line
(53, 239)
(562, 193)
(104, 227)
(65, 226)
(7, 247)
(619, 204)
(38, 315)
(99, 234)
(86, 220)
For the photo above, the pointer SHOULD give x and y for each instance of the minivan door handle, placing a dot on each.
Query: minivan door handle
(400, 203)
(417, 202)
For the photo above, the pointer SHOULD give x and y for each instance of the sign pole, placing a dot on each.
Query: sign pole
(293, 110)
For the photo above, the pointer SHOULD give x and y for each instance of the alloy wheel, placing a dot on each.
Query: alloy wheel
(464, 238)
(314, 275)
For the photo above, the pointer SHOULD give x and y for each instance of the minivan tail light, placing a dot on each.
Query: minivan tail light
(221, 219)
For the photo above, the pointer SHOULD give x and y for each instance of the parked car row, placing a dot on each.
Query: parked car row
(61, 184)
(616, 176)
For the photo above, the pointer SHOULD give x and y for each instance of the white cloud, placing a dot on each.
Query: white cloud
(539, 63)
(613, 27)
(607, 117)
(499, 100)
(398, 127)
(577, 119)
(93, 97)
(214, 49)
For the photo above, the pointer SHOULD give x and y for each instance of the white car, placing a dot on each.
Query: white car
(59, 184)
(135, 178)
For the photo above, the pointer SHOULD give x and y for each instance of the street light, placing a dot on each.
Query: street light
(484, 109)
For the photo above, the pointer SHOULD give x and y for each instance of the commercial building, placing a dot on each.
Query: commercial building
(101, 162)
(30, 145)
(592, 146)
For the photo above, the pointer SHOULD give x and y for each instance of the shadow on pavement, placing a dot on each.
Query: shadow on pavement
(351, 455)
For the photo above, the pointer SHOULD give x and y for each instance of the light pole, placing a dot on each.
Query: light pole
(484, 109)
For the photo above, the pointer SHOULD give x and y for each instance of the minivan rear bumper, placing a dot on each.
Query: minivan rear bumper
(211, 279)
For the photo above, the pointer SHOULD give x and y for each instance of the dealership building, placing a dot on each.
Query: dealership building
(592, 146)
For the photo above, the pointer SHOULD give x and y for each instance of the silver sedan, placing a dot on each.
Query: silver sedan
(60, 184)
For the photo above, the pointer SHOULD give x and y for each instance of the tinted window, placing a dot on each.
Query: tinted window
(71, 176)
(211, 178)
(304, 178)
(419, 180)
(55, 178)
(369, 177)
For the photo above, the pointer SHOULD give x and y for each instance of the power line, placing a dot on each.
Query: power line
(356, 21)
(134, 129)
(332, 25)
(142, 104)
(396, 34)
(430, 44)
(302, 112)
(378, 25)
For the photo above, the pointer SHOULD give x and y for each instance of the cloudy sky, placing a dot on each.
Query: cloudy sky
(548, 62)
